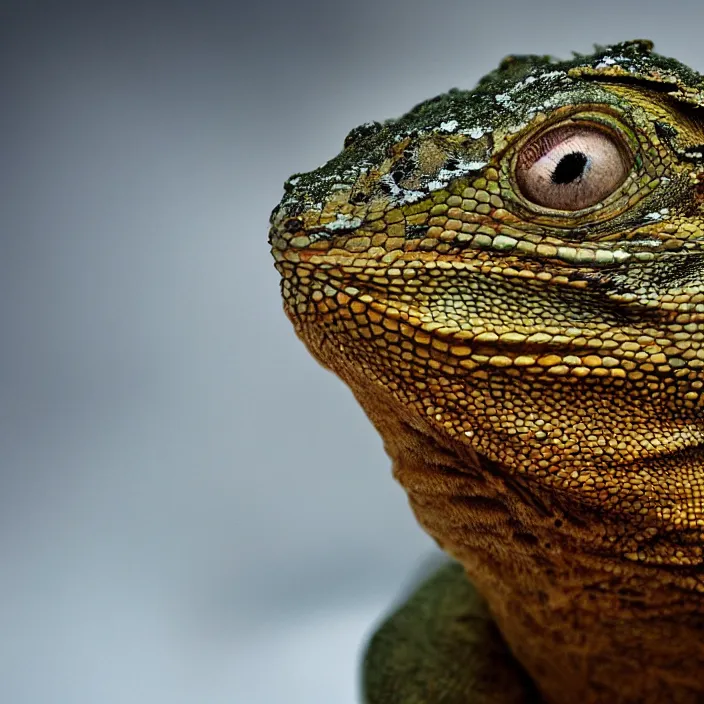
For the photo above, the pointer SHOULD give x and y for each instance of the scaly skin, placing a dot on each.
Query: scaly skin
(536, 372)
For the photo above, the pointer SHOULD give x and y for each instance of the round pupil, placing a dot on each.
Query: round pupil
(573, 166)
(569, 168)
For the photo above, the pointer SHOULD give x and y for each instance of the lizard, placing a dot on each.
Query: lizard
(510, 281)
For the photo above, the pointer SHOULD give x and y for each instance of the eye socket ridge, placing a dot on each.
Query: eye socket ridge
(572, 166)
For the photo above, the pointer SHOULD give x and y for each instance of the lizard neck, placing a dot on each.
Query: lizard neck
(588, 626)
(587, 623)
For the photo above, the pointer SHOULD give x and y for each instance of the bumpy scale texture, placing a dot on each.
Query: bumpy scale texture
(535, 370)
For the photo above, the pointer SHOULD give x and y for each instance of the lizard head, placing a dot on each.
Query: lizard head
(516, 272)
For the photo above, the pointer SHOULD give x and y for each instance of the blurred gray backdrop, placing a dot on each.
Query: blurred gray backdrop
(192, 511)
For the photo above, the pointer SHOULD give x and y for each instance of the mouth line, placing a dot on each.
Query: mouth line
(506, 348)
(596, 255)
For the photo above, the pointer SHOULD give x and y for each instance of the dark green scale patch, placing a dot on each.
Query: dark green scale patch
(358, 133)
(534, 80)
(416, 232)
(515, 68)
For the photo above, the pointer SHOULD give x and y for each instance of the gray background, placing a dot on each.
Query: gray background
(192, 510)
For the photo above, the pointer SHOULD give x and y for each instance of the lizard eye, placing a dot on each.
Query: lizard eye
(572, 167)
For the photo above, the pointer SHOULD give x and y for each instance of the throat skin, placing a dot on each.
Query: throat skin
(585, 623)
